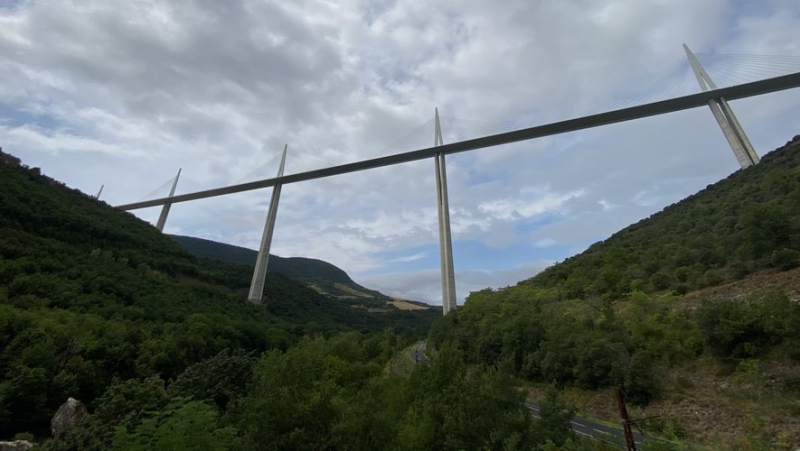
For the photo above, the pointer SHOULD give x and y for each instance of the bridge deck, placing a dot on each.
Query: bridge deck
(612, 117)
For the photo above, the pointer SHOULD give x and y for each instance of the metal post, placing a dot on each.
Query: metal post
(728, 123)
(260, 272)
(630, 443)
(97, 196)
(445, 241)
(162, 218)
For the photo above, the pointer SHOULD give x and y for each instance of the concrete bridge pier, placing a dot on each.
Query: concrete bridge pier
(445, 240)
(260, 272)
(731, 128)
(162, 218)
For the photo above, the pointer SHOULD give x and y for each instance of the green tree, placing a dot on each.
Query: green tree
(182, 424)
(218, 379)
(765, 228)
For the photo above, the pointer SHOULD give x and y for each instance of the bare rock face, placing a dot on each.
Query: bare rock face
(67, 416)
(16, 445)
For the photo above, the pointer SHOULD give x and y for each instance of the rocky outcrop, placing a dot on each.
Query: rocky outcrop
(10, 160)
(16, 445)
(67, 416)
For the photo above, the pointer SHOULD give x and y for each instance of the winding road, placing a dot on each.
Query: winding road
(589, 428)
(418, 353)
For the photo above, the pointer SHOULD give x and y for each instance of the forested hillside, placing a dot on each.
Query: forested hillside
(615, 315)
(746, 223)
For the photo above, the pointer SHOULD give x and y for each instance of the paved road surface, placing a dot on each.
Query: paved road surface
(418, 354)
(594, 430)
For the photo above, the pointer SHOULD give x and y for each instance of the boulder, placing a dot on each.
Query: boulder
(67, 416)
(16, 445)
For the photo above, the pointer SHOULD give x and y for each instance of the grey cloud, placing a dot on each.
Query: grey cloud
(211, 63)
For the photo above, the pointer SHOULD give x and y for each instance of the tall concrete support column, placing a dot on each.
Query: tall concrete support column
(162, 218)
(445, 240)
(731, 128)
(260, 272)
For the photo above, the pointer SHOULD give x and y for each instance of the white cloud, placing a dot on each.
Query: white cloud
(410, 258)
(520, 207)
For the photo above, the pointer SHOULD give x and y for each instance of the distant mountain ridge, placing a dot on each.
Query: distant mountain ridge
(298, 268)
(319, 275)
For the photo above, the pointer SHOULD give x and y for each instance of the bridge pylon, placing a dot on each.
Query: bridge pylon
(260, 272)
(737, 139)
(162, 218)
(445, 241)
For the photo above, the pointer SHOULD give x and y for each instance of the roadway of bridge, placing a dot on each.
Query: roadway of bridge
(700, 99)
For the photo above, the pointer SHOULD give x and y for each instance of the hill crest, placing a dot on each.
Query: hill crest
(319, 275)
(743, 224)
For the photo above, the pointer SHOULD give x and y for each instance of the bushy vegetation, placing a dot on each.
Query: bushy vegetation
(594, 344)
(320, 394)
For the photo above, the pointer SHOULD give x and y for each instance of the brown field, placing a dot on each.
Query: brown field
(787, 282)
(352, 291)
(401, 304)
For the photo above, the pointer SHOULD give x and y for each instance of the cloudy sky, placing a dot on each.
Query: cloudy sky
(123, 93)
